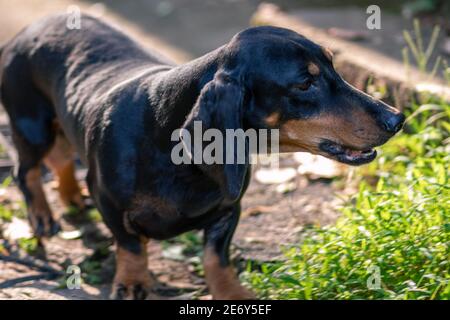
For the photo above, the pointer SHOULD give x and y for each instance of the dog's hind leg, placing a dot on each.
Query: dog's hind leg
(222, 280)
(31, 116)
(60, 160)
(28, 177)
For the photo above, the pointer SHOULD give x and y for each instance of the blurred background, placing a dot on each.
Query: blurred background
(197, 26)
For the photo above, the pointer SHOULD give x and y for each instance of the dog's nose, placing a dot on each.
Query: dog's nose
(394, 123)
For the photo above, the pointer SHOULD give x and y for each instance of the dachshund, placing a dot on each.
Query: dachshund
(97, 93)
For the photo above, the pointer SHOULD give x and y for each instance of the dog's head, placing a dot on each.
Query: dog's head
(275, 78)
(293, 86)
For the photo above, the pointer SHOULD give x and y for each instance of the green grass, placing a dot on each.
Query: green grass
(400, 226)
(29, 245)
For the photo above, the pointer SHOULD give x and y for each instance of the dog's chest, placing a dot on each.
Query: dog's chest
(172, 202)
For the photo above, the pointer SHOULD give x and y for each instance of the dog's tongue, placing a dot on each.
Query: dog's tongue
(353, 153)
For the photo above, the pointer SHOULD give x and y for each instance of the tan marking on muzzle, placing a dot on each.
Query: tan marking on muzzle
(356, 130)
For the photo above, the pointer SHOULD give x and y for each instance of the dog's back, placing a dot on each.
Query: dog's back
(50, 71)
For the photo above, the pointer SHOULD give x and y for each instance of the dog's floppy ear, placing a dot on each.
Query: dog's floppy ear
(220, 106)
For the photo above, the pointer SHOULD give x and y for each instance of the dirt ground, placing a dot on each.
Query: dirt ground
(270, 219)
(273, 214)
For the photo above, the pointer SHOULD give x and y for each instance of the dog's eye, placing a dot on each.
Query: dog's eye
(303, 86)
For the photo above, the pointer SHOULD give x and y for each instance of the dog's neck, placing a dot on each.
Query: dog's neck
(177, 89)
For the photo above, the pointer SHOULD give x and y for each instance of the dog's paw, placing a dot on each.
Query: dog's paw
(136, 291)
(45, 227)
(132, 281)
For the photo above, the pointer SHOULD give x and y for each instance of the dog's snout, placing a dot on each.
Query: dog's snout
(394, 123)
(387, 118)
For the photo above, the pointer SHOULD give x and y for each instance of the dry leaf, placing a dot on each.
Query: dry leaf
(275, 176)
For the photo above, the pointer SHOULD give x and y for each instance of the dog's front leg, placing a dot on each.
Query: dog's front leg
(222, 280)
(132, 280)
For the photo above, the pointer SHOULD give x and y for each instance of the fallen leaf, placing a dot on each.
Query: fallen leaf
(317, 167)
(174, 252)
(71, 235)
(275, 176)
(286, 187)
(17, 229)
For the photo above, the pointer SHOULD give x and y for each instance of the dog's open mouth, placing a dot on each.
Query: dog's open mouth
(347, 155)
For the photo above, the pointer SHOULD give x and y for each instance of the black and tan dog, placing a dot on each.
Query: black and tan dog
(96, 92)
